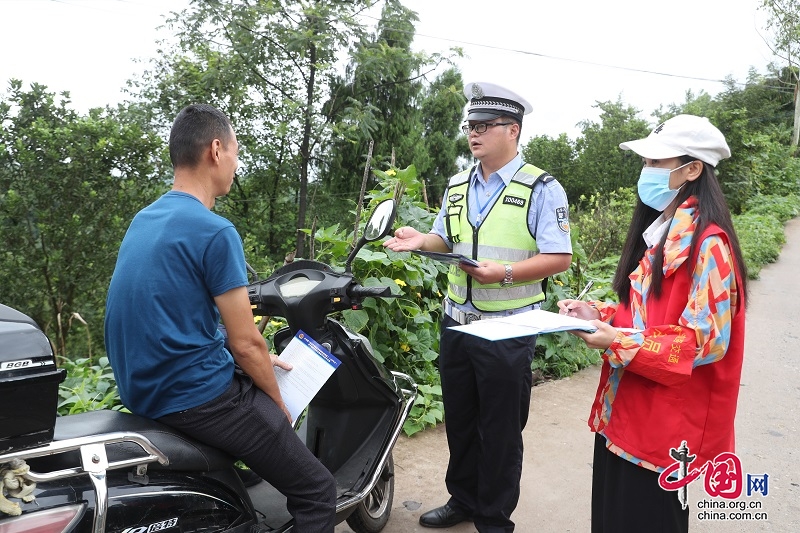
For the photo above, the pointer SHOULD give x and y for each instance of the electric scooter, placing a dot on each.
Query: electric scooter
(111, 471)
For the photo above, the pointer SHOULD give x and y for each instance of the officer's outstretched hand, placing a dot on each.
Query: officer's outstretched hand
(405, 239)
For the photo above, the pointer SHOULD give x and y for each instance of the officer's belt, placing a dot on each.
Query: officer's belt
(465, 317)
(462, 317)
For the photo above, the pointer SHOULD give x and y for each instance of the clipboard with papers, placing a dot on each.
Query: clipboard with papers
(524, 324)
(449, 258)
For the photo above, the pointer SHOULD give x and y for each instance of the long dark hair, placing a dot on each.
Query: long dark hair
(711, 209)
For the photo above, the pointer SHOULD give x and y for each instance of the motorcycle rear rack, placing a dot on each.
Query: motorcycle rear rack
(94, 462)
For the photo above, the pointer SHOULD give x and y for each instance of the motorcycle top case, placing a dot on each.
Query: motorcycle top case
(28, 383)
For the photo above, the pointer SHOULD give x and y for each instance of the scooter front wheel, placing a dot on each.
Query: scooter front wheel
(372, 514)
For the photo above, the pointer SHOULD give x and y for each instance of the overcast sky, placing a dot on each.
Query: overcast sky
(562, 56)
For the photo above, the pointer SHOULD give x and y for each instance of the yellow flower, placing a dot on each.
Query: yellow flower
(558, 282)
(400, 282)
(275, 323)
(391, 172)
(257, 319)
(405, 347)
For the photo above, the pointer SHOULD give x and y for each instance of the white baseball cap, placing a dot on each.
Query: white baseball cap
(489, 100)
(683, 135)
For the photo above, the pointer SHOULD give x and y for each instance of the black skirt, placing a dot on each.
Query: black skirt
(627, 498)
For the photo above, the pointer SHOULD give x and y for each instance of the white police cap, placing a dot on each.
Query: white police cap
(488, 101)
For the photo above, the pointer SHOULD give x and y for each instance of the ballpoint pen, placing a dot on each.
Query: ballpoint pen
(585, 290)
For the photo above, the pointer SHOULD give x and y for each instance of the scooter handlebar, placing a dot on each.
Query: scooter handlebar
(358, 292)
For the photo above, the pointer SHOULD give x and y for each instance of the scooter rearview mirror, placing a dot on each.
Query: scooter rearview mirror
(381, 220)
(379, 224)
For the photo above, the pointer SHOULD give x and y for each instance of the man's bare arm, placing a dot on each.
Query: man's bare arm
(248, 347)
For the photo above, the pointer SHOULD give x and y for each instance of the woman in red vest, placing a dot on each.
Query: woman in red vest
(673, 345)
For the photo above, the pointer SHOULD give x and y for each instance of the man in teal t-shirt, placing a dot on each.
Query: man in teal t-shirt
(180, 270)
(172, 245)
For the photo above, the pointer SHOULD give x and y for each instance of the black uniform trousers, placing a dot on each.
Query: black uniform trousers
(486, 387)
(247, 424)
(627, 498)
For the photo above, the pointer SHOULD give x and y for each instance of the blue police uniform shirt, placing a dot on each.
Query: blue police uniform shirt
(161, 326)
(547, 208)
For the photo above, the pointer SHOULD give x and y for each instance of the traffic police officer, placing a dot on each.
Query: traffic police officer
(512, 218)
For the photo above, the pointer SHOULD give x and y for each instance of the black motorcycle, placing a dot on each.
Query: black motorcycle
(105, 471)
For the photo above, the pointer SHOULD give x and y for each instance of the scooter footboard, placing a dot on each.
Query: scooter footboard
(353, 422)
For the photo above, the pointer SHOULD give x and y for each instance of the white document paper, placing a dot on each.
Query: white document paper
(312, 365)
(523, 325)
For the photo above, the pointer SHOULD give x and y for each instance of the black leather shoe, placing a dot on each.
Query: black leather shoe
(444, 516)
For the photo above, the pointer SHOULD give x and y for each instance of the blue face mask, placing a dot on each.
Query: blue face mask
(653, 187)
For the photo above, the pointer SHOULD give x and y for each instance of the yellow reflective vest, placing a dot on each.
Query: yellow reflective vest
(503, 237)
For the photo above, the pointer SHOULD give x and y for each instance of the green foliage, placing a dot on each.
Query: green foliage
(761, 237)
(781, 207)
(756, 123)
(603, 221)
(444, 145)
(89, 386)
(69, 185)
(268, 66)
(784, 27)
(557, 156)
(603, 271)
(380, 99)
(378, 85)
(428, 409)
(601, 167)
(765, 167)
(304, 125)
(562, 354)
(403, 331)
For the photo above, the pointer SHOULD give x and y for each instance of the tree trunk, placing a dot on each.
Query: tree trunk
(796, 132)
(305, 153)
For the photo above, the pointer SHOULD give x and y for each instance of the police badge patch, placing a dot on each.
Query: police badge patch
(562, 218)
(453, 198)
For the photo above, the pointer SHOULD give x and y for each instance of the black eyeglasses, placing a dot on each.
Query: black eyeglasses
(481, 127)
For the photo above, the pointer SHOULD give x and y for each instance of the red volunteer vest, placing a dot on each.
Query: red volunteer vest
(648, 418)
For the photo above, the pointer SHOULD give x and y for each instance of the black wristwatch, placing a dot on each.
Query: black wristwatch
(509, 279)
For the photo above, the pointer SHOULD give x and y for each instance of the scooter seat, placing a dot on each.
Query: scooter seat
(183, 453)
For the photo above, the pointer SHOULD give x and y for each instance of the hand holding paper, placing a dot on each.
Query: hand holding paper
(603, 337)
(312, 365)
